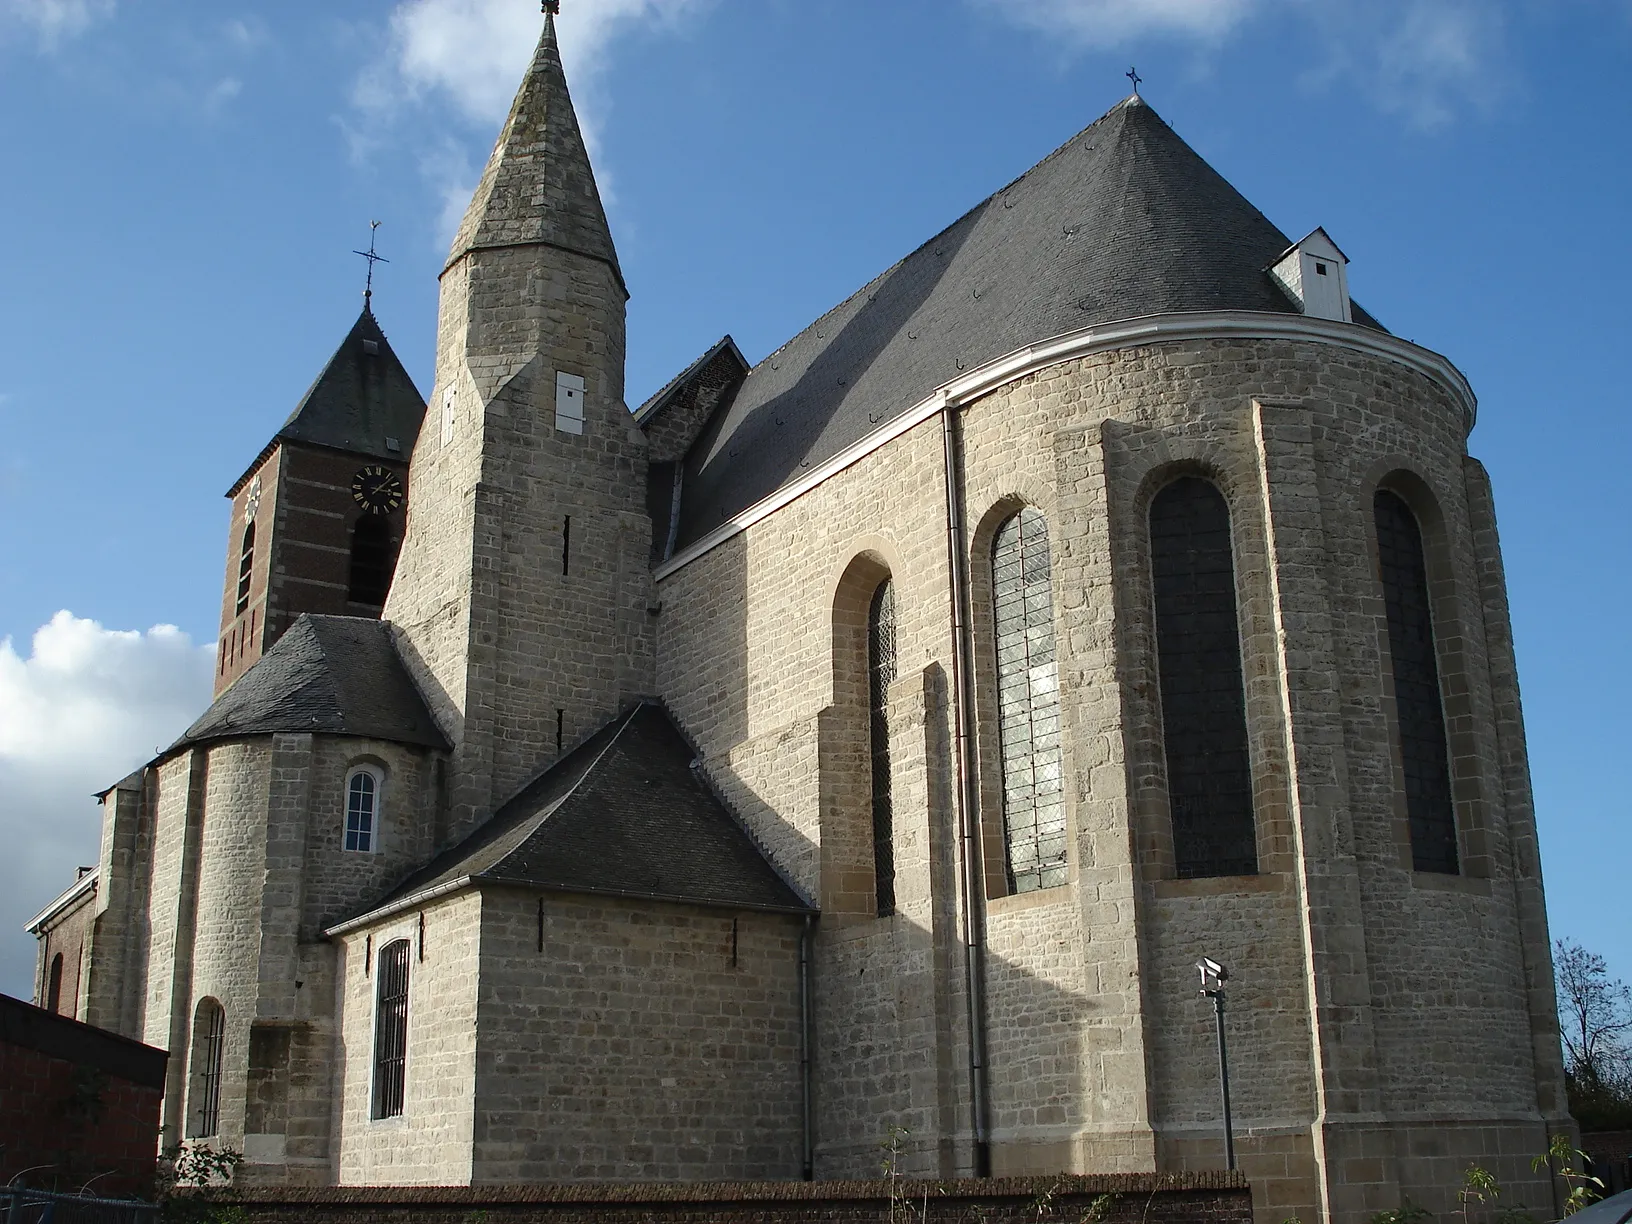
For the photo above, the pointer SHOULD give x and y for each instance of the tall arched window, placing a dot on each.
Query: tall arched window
(880, 675)
(391, 1030)
(372, 561)
(204, 1092)
(53, 985)
(1028, 706)
(1419, 715)
(246, 566)
(1198, 647)
(363, 786)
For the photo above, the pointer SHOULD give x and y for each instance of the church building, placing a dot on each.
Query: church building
(865, 742)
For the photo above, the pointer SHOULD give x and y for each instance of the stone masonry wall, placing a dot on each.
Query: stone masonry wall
(622, 1040)
(1417, 991)
(431, 1142)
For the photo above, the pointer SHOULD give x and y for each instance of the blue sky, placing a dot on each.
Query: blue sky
(186, 183)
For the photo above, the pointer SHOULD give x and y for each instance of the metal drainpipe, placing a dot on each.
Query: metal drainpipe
(807, 1139)
(968, 798)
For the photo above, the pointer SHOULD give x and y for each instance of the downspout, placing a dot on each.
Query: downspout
(972, 876)
(807, 1136)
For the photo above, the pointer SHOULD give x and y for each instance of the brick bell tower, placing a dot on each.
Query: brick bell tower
(317, 518)
(520, 602)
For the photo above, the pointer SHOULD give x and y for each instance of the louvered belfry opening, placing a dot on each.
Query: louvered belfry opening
(391, 1030)
(1028, 704)
(880, 675)
(1419, 713)
(246, 568)
(1198, 646)
(209, 1036)
(372, 561)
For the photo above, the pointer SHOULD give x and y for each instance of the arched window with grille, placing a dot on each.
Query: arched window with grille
(363, 787)
(246, 567)
(1198, 648)
(1028, 705)
(391, 1030)
(880, 675)
(204, 1091)
(53, 985)
(372, 561)
(1418, 709)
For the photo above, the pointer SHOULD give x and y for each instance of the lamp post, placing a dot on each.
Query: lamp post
(1213, 977)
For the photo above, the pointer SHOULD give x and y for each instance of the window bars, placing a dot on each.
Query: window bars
(391, 1030)
(209, 1034)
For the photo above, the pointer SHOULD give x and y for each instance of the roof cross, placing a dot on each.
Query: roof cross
(368, 285)
(1133, 75)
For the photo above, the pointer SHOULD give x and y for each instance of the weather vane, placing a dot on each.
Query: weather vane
(552, 7)
(368, 285)
(1133, 75)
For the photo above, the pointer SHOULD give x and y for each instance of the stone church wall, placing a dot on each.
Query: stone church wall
(1107, 963)
(641, 1041)
(430, 1143)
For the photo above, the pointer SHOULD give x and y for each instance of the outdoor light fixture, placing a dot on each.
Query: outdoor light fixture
(1213, 977)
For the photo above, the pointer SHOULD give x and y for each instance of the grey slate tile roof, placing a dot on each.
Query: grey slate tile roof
(360, 400)
(624, 813)
(1122, 221)
(330, 675)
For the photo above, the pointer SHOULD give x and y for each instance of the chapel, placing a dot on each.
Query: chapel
(858, 746)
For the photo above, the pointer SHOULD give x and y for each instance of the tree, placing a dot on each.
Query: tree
(1595, 1023)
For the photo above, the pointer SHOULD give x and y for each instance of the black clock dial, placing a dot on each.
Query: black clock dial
(376, 489)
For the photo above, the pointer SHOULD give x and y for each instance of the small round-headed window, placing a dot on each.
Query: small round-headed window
(364, 785)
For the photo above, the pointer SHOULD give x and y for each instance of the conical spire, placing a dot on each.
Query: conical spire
(538, 186)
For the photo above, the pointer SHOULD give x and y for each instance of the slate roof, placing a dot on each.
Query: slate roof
(624, 813)
(360, 400)
(1123, 220)
(332, 675)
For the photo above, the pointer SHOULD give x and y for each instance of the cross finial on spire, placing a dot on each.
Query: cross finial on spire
(552, 7)
(368, 285)
(1133, 75)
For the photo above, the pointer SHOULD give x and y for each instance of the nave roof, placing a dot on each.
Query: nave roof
(1123, 221)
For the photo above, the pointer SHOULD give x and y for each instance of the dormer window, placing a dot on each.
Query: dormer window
(1313, 274)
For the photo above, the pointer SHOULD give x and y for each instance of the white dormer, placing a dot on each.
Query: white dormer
(1314, 274)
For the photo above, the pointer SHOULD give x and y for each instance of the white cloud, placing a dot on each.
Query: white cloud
(1420, 58)
(53, 21)
(84, 708)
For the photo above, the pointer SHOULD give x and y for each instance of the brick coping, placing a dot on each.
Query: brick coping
(741, 1192)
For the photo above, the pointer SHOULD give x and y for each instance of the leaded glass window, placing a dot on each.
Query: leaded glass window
(391, 1030)
(1419, 715)
(372, 562)
(1198, 647)
(362, 809)
(880, 675)
(1028, 706)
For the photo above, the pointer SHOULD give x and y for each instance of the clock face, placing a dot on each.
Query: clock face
(252, 499)
(376, 489)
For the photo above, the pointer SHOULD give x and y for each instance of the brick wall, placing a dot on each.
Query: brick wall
(1216, 1198)
(76, 1103)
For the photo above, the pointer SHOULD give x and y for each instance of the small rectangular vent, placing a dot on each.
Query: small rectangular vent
(371, 347)
(391, 444)
(569, 403)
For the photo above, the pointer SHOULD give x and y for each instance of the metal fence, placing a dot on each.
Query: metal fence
(19, 1206)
